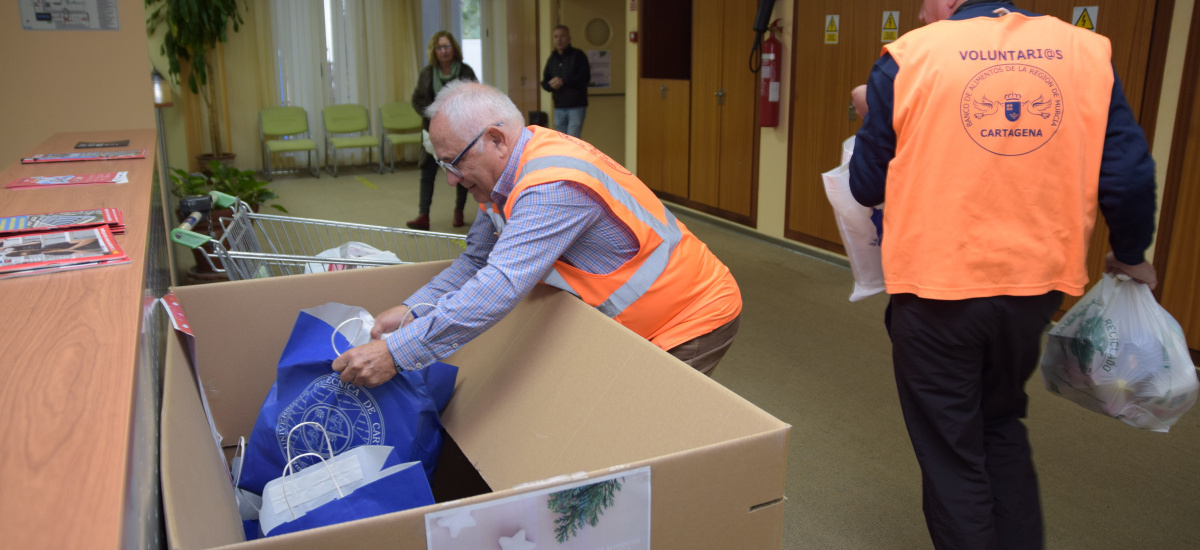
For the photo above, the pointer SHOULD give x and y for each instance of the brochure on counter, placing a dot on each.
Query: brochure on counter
(51, 251)
(89, 155)
(36, 182)
(79, 219)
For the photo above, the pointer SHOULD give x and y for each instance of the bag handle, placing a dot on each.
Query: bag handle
(328, 444)
(287, 470)
(361, 325)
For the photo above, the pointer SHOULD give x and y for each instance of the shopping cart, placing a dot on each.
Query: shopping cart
(257, 245)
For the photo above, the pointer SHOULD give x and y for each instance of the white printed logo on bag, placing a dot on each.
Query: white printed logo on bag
(355, 417)
(1013, 108)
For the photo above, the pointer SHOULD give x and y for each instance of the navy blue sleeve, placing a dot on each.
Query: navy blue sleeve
(1127, 186)
(875, 143)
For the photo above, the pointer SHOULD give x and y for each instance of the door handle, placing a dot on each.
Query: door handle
(720, 96)
(663, 90)
(853, 115)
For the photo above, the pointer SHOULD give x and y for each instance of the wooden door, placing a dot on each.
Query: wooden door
(663, 128)
(524, 72)
(1177, 253)
(664, 95)
(724, 101)
(822, 77)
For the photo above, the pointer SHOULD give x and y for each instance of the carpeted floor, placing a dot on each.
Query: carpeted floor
(813, 359)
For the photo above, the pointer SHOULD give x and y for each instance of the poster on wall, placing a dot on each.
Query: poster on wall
(69, 15)
(601, 63)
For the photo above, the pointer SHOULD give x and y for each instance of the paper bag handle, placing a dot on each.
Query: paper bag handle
(328, 444)
(287, 470)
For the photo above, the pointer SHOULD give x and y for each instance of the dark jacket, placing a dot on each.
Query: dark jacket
(573, 67)
(423, 94)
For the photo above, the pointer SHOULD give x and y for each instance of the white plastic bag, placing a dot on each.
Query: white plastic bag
(350, 250)
(859, 227)
(1119, 353)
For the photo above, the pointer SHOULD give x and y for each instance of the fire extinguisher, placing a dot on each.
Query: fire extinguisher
(768, 93)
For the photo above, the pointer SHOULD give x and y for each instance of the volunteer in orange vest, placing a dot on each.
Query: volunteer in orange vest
(992, 137)
(554, 210)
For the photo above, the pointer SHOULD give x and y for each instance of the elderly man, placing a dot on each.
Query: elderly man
(993, 136)
(555, 210)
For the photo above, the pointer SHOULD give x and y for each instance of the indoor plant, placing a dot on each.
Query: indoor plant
(193, 29)
(243, 184)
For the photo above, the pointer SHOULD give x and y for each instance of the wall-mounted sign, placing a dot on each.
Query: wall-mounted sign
(68, 15)
(831, 29)
(1085, 17)
(891, 26)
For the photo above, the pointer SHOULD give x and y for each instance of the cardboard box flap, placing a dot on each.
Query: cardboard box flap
(191, 467)
(623, 400)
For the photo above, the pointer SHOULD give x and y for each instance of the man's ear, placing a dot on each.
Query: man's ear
(498, 138)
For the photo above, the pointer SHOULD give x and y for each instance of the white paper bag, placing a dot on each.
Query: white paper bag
(859, 227)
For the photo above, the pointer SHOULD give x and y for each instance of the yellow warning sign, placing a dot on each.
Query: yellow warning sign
(1085, 17)
(831, 29)
(891, 30)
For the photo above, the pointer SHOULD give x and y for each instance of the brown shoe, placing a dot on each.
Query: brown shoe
(458, 218)
(420, 222)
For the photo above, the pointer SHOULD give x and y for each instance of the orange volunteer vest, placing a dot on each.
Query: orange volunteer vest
(673, 290)
(1000, 127)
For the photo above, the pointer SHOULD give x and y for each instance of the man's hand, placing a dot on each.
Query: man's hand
(556, 82)
(858, 98)
(367, 365)
(390, 321)
(1143, 273)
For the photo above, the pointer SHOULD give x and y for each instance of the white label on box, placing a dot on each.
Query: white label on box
(622, 519)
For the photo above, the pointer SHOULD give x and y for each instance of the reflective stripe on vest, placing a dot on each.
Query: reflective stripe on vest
(655, 264)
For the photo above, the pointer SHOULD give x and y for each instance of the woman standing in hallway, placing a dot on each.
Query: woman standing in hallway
(445, 66)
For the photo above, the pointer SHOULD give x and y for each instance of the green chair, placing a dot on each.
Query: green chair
(400, 125)
(289, 128)
(347, 119)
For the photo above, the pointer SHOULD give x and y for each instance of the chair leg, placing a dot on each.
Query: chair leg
(313, 168)
(270, 171)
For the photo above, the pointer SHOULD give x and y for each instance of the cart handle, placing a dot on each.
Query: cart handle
(185, 236)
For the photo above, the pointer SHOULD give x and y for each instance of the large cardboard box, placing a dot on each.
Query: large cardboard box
(553, 394)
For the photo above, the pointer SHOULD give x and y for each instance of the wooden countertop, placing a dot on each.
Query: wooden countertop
(68, 351)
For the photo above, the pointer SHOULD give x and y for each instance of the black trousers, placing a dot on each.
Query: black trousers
(428, 173)
(961, 368)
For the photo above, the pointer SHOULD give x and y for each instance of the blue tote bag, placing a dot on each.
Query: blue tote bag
(402, 413)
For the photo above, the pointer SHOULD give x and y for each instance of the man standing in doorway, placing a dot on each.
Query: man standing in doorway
(566, 77)
(993, 137)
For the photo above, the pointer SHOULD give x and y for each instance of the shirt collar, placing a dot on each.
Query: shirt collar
(963, 13)
(508, 178)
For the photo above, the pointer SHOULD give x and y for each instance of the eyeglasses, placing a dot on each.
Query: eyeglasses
(449, 166)
(442, 47)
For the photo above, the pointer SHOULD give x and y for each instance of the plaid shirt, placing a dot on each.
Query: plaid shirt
(560, 220)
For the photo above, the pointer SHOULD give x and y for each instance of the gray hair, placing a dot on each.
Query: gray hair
(470, 107)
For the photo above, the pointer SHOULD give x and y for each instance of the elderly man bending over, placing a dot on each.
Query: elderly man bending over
(555, 210)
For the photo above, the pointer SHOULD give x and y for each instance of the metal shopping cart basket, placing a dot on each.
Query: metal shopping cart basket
(262, 245)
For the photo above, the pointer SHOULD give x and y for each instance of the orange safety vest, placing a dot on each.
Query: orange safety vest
(1000, 125)
(673, 290)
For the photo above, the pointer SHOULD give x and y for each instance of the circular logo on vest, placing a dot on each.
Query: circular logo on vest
(1011, 109)
(349, 414)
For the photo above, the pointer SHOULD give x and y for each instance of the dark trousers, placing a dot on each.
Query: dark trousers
(428, 174)
(705, 351)
(961, 368)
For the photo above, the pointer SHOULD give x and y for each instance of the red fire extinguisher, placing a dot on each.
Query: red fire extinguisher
(768, 94)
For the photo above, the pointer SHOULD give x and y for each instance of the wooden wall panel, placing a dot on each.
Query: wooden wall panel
(823, 76)
(663, 128)
(739, 124)
(707, 42)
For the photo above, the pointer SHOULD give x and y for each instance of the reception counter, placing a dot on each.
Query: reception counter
(79, 366)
